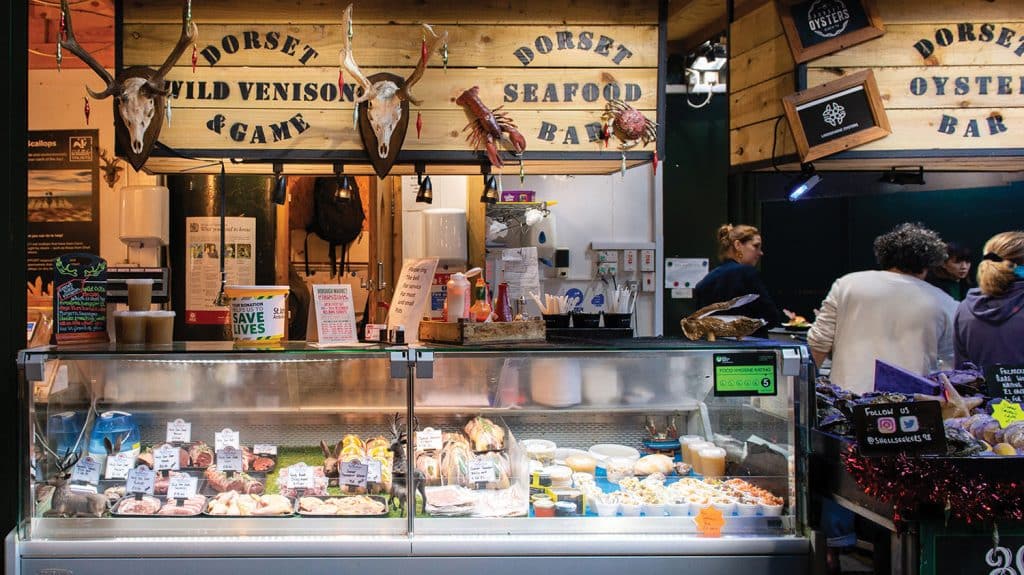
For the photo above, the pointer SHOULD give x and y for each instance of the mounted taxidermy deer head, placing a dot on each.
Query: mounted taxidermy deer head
(384, 101)
(111, 169)
(140, 92)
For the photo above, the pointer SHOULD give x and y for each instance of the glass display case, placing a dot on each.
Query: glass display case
(641, 454)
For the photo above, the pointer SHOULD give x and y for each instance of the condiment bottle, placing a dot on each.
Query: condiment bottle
(502, 305)
(457, 298)
(481, 310)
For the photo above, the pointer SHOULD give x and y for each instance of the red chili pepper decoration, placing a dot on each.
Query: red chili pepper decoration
(195, 58)
(86, 110)
(419, 125)
(423, 49)
(341, 84)
(654, 161)
(606, 134)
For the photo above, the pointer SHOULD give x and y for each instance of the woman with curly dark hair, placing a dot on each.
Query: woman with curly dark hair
(890, 314)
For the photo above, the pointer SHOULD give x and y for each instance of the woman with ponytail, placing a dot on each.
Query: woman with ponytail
(739, 250)
(989, 323)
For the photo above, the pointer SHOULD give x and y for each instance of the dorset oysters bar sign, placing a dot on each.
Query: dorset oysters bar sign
(274, 90)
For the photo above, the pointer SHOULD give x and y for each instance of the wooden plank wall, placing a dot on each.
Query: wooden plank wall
(965, 117)
(251, 79)
(982, 81)
(761, 73)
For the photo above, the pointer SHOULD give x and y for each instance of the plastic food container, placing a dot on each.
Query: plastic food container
(606, 509)
(257, 313)
(630, 509)
(747, 509)
(771, 510)
(544, 508)
(539, 450)
(603, 451)
(618, 468)
(678, 509)
(654, 509)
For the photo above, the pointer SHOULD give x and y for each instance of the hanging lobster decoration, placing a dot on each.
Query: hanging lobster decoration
(489, 127)
(140, 92)
(383, 105)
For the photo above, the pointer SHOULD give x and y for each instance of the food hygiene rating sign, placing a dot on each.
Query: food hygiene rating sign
(745, 374)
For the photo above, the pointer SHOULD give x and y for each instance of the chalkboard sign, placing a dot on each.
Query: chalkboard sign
(891, 428)
(744, 374)
(818, 27)
(1006, 381)
(836, 116)
(80, 298)
(956, 554)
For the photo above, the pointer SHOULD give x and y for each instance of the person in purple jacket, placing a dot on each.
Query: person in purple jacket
(989, 324)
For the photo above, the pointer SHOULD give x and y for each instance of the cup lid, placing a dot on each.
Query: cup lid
(139, 281)
(159, 313)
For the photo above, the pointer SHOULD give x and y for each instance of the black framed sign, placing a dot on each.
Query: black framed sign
(836, 116)
(818, 27)
(745, 374)
(1006, 381)
(891, 428)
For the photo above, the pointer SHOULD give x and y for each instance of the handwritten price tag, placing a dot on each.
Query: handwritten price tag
(179, 431)
(373, 468)
(482, 471)
(710, 522)
(182, 487)
(226, 438)
(87, 470)
(118, 465)
(429, 439)
(1007, 412)
(229, 459)
(353, 473)
(264, 449)
(300, 476)
(167, 457)
(140, 480)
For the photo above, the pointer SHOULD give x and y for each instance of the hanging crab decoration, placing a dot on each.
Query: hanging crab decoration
(489, 127)
(629, 125)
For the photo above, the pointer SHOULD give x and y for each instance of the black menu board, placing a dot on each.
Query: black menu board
(1006, 381)
(80, 298)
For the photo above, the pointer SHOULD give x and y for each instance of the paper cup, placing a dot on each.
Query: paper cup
(257, 313)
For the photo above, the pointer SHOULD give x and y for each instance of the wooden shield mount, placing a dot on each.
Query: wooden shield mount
(383, 165)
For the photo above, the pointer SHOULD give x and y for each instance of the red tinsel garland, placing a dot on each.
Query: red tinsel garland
(908, 482)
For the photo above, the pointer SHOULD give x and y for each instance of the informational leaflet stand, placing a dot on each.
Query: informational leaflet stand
(332, 317)
(410, 297)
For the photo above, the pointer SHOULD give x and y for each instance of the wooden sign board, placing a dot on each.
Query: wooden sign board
(815, 28)
(836, 116)
(270, 89)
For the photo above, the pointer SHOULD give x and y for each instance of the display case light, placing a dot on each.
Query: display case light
(425, 194)
(280, 185)
(804, 183)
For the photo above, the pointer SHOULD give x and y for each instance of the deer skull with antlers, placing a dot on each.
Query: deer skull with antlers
(384, 101)
(140, 91)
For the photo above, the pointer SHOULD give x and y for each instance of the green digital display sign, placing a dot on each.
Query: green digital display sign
(745, 374)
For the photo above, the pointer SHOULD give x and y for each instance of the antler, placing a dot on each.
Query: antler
(189, 31)
(71, 44)
(348, 61)
(405, 92)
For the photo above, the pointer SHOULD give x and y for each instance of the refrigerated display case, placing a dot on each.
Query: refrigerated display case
(528, 458)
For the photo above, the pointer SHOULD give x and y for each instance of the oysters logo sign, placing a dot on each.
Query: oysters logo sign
(828, 18)
(834, 114)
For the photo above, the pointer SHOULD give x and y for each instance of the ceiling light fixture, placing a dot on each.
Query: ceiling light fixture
(280, 185)
(490, 195)
(804, 183)
(904, 175)
(425, 194)
(344, 192)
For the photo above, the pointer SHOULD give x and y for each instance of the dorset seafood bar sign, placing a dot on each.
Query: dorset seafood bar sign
(265, 90)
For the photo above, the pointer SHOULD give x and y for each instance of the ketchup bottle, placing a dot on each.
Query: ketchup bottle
(502, 305)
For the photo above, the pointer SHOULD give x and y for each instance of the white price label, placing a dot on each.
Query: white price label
(87, 470)
(352, 473)
(429, 439)
(226, 438)
(179, 431)
(140, 480)
(264, 449)
(229, 459)
(373, 468)
(482, 471)
(300, 476)
(182, 487)
(118, 465)
(167, 457)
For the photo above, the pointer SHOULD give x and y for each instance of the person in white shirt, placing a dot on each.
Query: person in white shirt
(891, 314)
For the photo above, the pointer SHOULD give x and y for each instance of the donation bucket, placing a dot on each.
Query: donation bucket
(257, 313)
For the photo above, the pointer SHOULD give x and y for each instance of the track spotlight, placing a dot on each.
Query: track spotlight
(804, 183)
(425, 195)
(490, 195)
(280, 185)
(344, 185)
(904, 176)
